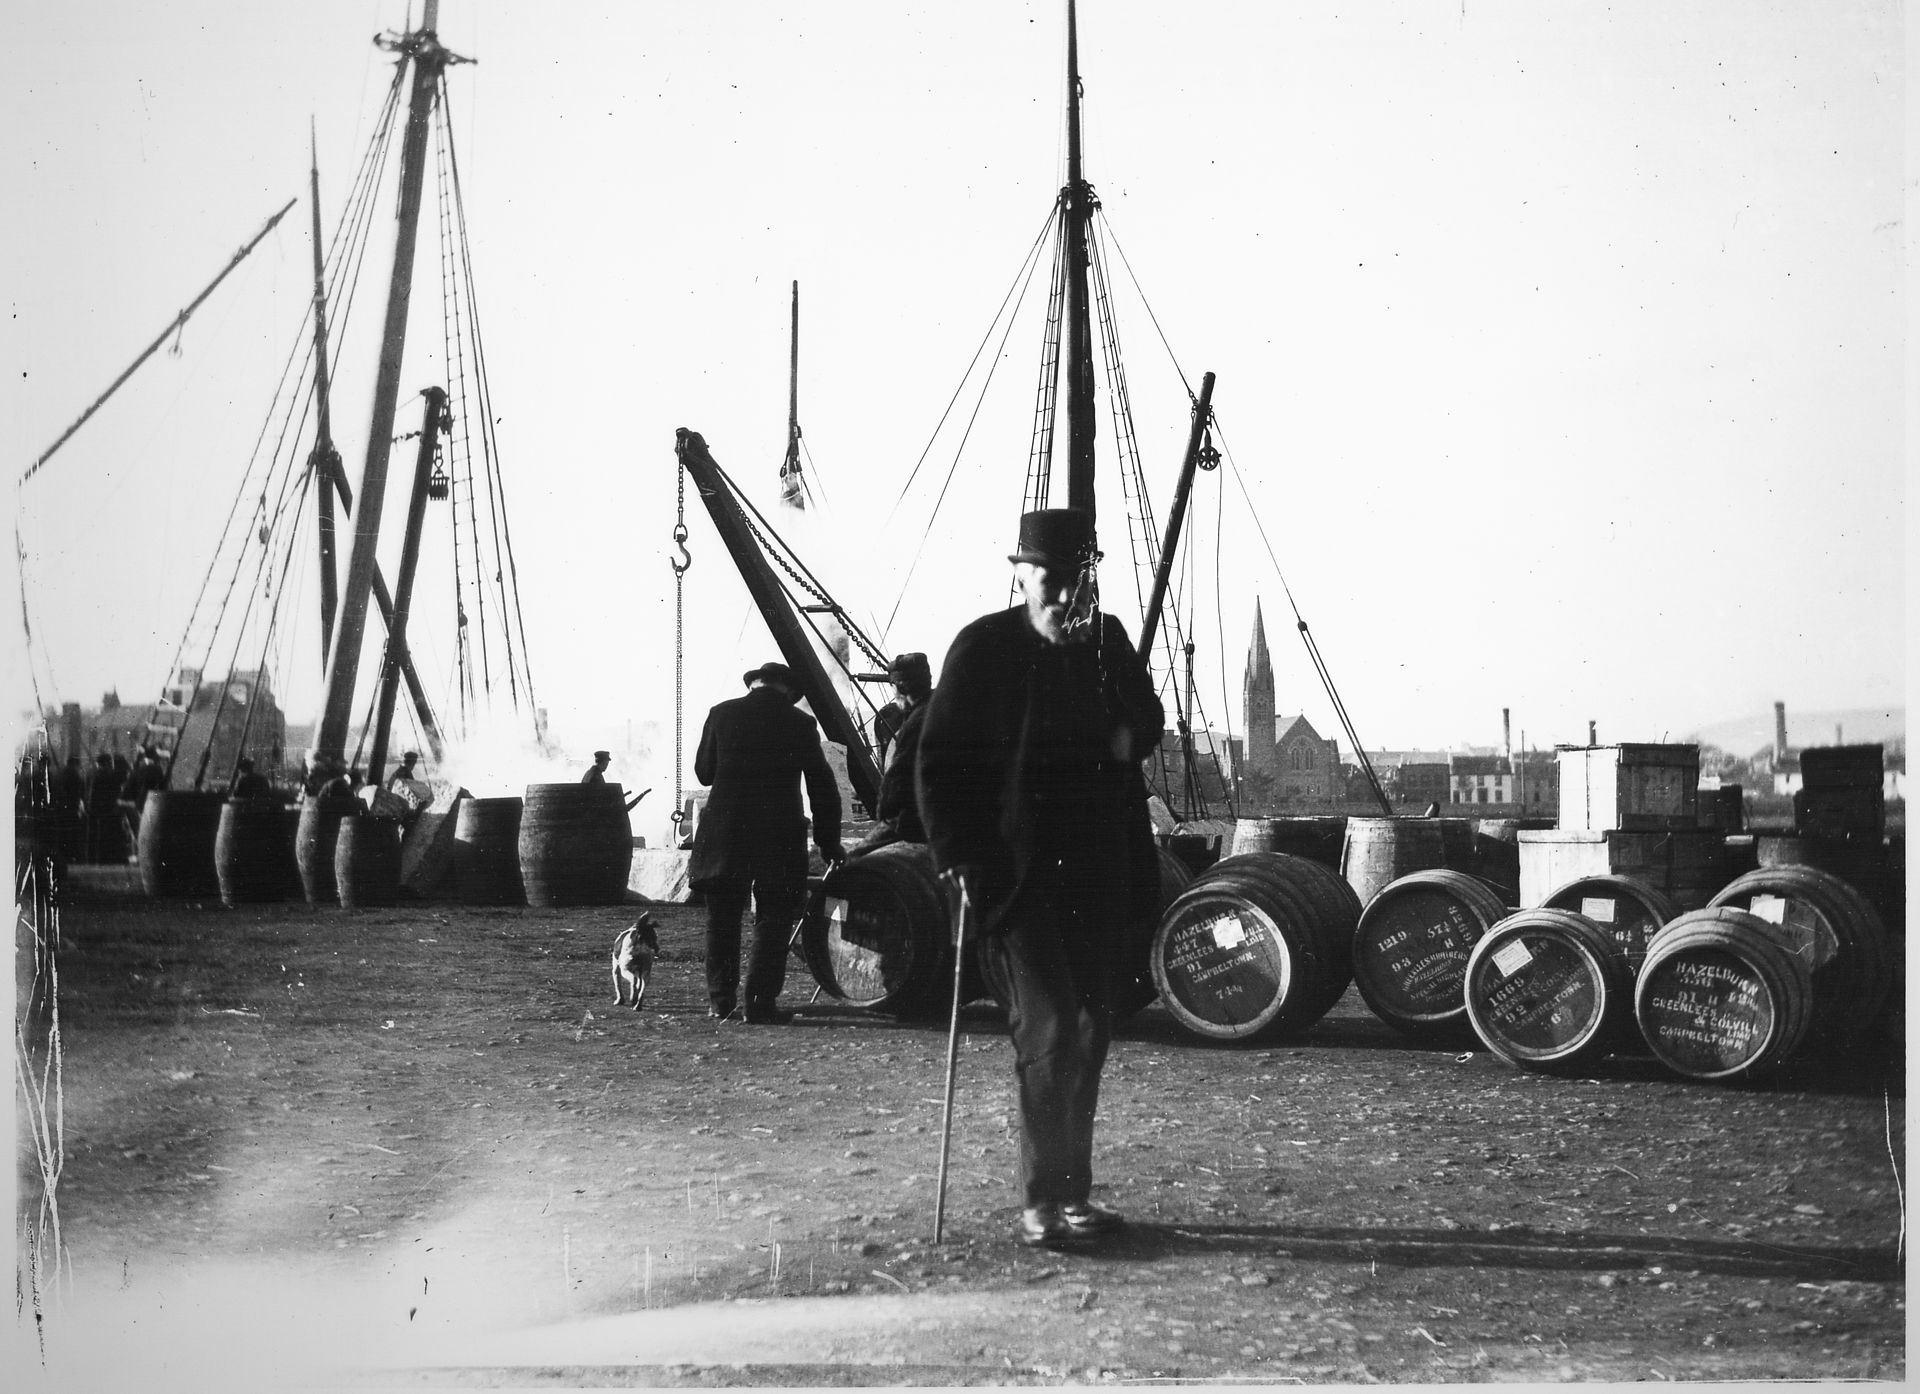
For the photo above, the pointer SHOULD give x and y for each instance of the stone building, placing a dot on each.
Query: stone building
(1284, 759)
(204, 724)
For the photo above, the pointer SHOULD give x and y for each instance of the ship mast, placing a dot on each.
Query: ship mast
(1076, 211)
(430, 60)
(792, 492)
(325, 459)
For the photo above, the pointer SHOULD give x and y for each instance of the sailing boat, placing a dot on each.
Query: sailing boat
(248, 631)
(803, 615)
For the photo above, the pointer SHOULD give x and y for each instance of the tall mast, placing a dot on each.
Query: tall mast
(343, 658)
(324, 462)
(435, 421)
(791, 492)
(1076, 210)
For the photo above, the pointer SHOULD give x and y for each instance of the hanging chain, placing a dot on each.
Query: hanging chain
(680, 565)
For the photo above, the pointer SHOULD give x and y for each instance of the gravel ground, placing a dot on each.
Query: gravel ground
(420, 1146)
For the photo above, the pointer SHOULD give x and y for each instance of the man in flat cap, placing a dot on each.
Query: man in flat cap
(598, 773)
(896, 809)
(756, 751)
(1035, 808)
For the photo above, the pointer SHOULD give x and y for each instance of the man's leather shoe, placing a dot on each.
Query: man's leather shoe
(768, 1016)
(1088, 1220)
(1043, 1227)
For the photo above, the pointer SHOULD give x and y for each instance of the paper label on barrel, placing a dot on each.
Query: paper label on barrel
(1511, 958)
(836, 911)
(1228, 932)
(1771, 908)
(1598, 908)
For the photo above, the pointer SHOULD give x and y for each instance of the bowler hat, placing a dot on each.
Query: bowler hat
(772, 673)
(1054, 537)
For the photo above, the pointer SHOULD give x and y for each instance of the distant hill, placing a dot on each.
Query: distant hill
(1858, 726)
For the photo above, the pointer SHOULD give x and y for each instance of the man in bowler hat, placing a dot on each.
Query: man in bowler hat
(756, 751)
(1035, 809)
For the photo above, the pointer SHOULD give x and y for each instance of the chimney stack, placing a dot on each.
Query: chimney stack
(1593, 737)
(1779, 732)
(1506, 735)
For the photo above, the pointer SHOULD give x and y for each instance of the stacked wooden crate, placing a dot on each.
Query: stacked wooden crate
(1840, 825)
(1627, 810)
(1840, 797)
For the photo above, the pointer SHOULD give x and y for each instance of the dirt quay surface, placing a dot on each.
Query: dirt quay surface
(421, 1146)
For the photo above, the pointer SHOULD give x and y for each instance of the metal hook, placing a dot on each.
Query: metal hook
(680, 567)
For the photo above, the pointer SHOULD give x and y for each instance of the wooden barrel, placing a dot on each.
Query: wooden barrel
(878, 934)
(366, 860)
(1860, 864)
(175, 850)
(1411, 947)
(575, 846)
(1379, 851)
(253, 852)
(486, 853)
(1317, 838)
(1719, 998)
(1457, 852)
(1257, 946)
(1495, 856)
(314, 842)
(1549, 990)
(1133, 983)
(1629, 912)
(1835, 932)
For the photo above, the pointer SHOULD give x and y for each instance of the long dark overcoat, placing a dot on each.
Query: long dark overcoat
(755, 751)
(1018, 774)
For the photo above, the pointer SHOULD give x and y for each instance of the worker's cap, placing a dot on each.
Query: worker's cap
(1054, 537)
(410, 757)
(603, 754)
(911, 668)
(774, 675)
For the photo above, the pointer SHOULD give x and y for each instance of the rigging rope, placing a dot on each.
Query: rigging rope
(1027, 269)
(507, 579)
(1313, 648)
(784, 557)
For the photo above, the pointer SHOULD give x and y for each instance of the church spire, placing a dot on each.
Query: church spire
(1257, 694)
(1259, 665)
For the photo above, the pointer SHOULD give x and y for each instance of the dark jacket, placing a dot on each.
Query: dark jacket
(755, 751)
(899, 805)
(1018, 777)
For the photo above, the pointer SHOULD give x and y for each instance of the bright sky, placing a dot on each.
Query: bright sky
(1559, 346)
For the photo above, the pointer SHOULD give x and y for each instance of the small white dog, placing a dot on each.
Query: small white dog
(633, 954)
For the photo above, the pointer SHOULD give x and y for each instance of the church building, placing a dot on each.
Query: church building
(1284, 757)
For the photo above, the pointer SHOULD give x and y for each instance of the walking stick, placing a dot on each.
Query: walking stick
(962, 912)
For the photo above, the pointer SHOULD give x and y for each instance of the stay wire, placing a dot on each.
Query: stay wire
(454, 352)
(1306, 635)
(1146, 305)
(783, 556)
(496, 481)
(353, 218)
(973, 417)
(1020, 278)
